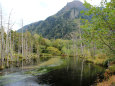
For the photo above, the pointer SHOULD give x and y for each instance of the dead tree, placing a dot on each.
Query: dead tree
(2, 40)
(22, 45)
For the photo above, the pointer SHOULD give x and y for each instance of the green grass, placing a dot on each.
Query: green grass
(112, 68)
(47, 66)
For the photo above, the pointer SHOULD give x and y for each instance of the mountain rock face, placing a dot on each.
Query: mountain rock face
(59, 25)
(75, 4)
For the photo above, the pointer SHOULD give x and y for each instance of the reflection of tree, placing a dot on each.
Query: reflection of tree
(82, 68)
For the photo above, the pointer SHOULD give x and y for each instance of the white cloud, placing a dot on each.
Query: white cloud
(34, 10)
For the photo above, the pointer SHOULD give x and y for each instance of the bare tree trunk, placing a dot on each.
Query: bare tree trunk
(2, 47)
(19, 49)
(7, 43)
(10, 47)
(7, 40)
(25, 49)
(17, 59)
(2, 41)
(76, 47)
(93, 48)
(22, 45)
(81, 45)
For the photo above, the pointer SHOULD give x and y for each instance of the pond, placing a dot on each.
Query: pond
(76, 73)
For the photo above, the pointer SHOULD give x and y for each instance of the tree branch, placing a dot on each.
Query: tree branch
(106, 43)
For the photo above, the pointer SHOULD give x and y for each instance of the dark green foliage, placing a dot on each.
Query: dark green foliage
(108, 61)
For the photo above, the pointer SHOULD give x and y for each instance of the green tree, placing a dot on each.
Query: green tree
(100, 31)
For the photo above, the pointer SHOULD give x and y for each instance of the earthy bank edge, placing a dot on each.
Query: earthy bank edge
(109, 75)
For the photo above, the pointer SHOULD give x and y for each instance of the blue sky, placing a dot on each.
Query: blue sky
(33, 10)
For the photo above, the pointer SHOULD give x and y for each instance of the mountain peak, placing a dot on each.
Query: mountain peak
(61, 24)
(74, 4)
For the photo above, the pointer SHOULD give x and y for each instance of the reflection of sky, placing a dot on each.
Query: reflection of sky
(33, 10)
(18, 79)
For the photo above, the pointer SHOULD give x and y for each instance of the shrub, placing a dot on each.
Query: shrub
(45, 56)
(110, 60)
(54, 51)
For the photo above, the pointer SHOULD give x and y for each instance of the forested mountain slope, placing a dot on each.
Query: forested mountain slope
(61, 24)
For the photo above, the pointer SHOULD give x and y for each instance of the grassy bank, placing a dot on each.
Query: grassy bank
(109, 63)
(47, 66)
(101, 59)
(52, 61)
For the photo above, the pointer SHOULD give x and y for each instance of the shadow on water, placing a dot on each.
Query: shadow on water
(76, 73)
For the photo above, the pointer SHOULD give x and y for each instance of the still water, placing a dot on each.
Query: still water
(76, 73)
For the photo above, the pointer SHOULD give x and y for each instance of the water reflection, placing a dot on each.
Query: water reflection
(19, 79)
(81, 72)
(77, 73)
